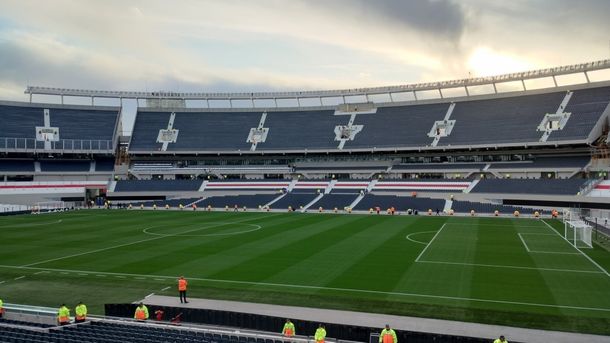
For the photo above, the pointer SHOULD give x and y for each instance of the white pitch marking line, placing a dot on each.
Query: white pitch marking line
(20, 277)
(165, 289)
(159, 279)
(140, 278)
(416, 233)
(580, 251)
(41, 272)
(150, 295)
(100, 275)
(1, 282)
(83, 274)
(429, 243)
(512, 267)
(122, 245)
(339, 289)
(523, 241)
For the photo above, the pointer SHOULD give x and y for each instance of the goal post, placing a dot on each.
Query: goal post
(48, 206)
(576, 230)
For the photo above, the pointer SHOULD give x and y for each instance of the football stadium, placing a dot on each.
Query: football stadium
(445, 211)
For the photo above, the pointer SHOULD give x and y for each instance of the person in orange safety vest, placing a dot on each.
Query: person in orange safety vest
(182, 283)
(141, 312)
(388, 335)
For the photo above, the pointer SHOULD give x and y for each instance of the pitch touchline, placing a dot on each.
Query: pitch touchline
(323, 288)
(120, 245)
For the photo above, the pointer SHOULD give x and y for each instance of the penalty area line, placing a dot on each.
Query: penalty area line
(336, 289)
(430, 243)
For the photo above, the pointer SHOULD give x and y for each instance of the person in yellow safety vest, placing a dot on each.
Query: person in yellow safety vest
(182, 283)
(388, 335)
(320, 334)
(501, 340)
(1, 308)
(141, 312)
(288, 329)
(81, 312)
(63, 315)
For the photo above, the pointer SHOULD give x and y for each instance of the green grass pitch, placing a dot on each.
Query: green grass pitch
(493, 270)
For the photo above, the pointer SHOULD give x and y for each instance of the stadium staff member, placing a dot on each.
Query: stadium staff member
(320, 334)
(63, 315)
(141, 312)
(182, 283)
(1, 308)
(81, 312)
(388, 335)
(288, 329)
(501, 340)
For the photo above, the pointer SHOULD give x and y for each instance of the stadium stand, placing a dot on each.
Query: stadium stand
(391, 127)
(338, 200)
(16, 165)
(460, 206)
(104, 165)
(530, 186)
(550, 163)
(80, 128)
(401, 203)
(586, 107)
(157, 185)
(249, 201)
(301, 130)
(437, 166)
(65, 165)
(296, 199)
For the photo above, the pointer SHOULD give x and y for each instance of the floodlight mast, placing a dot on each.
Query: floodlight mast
(389, 91)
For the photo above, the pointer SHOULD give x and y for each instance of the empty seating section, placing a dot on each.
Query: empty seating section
(340, 201)
(586, 107)
(301, 130)
(406, 126)
(104, 165)
(91, 125)
(65, 166)
(146, 130)
(103, 332)
(507, 120)
(79, 129)
(529, 186)
(249, 201)
(162, 203)
(17, 166)
(294, 199)
(157, 185)
(466, 206)
(213, 131)
(400, 203)
(502, 120)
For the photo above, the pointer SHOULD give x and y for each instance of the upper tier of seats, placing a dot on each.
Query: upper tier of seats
(530, 186)
(80, 128)
(498, 120)
(157, 185)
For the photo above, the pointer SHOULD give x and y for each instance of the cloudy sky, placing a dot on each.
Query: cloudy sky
(257, 45)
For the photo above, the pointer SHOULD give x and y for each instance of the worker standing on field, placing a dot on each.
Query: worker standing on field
(288, 329)
(320, 334)
(501, 340)
(63, 315)
(81, 312)
(141, 312)
(182, 283)
(388, 335)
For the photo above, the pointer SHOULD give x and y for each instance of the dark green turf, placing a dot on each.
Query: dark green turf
(475, 269)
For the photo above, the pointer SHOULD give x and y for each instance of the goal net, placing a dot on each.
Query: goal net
(577, 231)
(48, 206)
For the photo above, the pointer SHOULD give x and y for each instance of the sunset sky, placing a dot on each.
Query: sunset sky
(266, 45)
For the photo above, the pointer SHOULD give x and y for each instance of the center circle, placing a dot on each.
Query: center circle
(245, 229)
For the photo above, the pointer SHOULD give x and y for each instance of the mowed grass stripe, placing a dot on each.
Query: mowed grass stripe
(136, 256)
(322, 257)
(293, 245)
